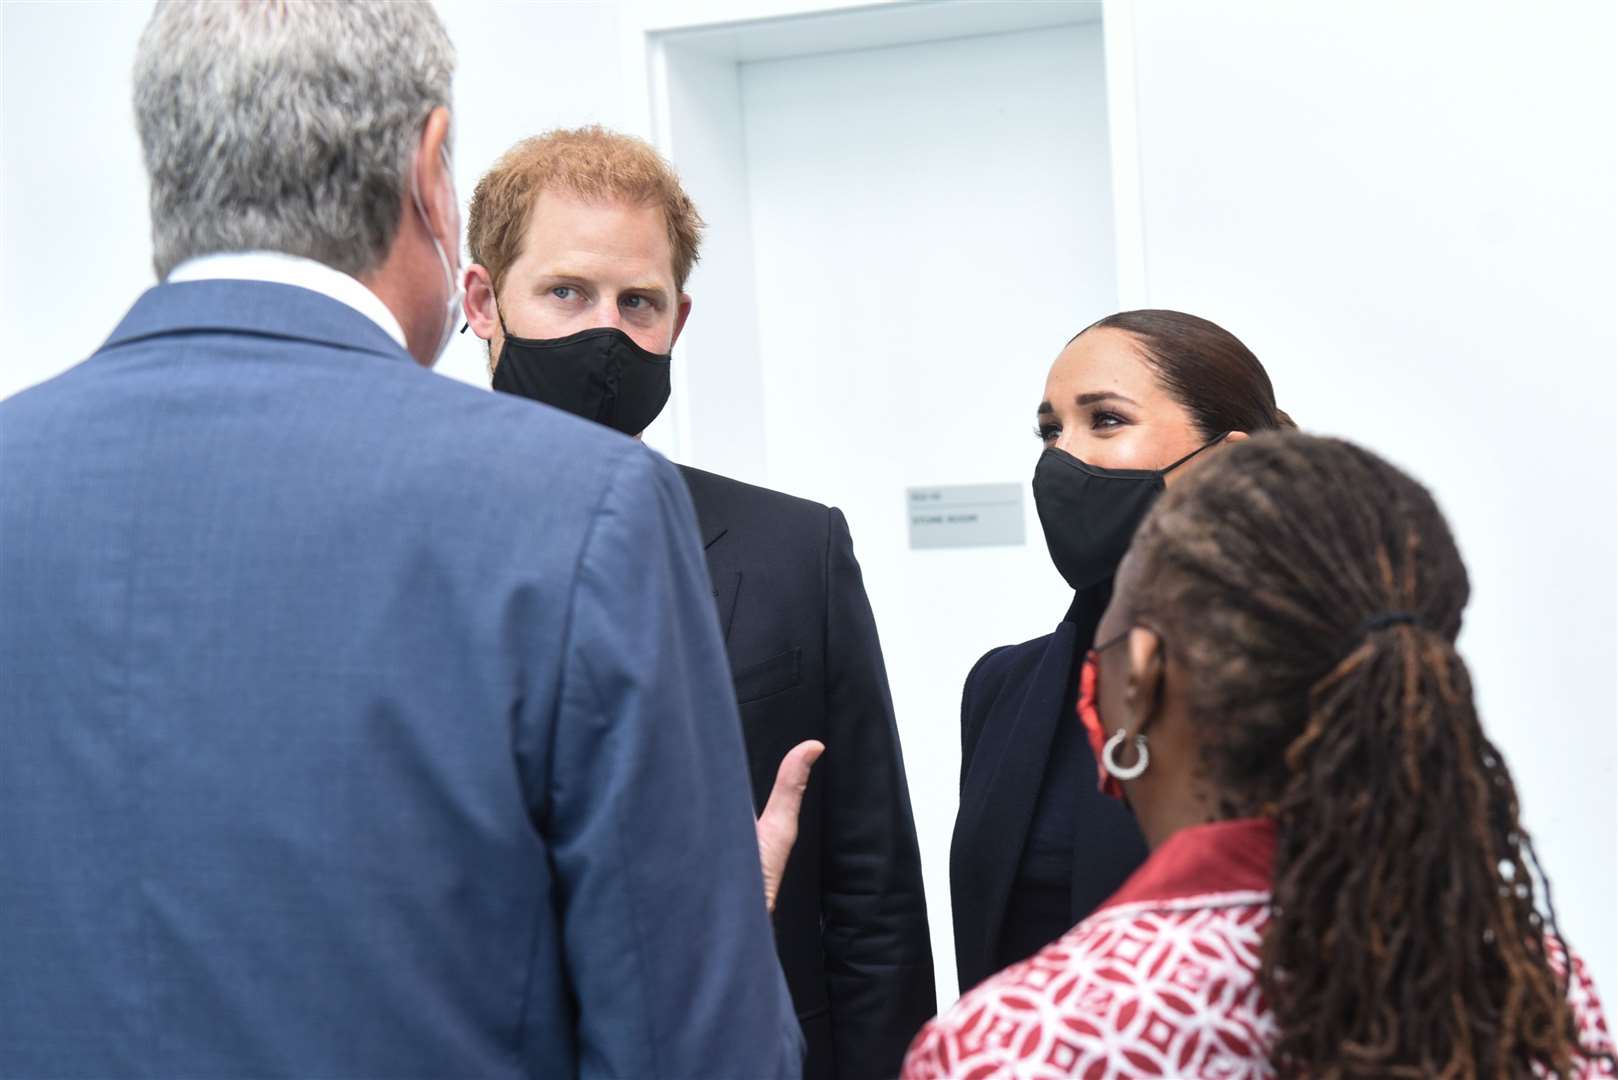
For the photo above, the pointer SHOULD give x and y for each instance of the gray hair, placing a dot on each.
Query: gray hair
(285, 125)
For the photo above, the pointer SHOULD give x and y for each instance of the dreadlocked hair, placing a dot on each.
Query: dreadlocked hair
(1314, 592)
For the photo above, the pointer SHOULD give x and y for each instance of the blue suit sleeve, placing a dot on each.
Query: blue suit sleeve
(650, 824)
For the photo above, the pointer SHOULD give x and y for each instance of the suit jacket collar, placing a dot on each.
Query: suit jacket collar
(284, 269)
(710, 524)
(259, 308)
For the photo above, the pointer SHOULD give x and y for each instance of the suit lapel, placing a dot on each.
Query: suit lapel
(1010, 763)
(727, 582)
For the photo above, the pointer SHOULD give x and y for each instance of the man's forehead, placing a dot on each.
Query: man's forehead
(620, 221)
(568, 233)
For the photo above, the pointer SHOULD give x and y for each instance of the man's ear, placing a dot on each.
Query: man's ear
(482, 313)
(435, 184)
(1143, 692)
(1237, 436)
(683, 313)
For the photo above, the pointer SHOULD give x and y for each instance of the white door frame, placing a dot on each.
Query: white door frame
(657, 36)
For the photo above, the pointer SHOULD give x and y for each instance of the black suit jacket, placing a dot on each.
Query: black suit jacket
(1013, 700)
(850, 920)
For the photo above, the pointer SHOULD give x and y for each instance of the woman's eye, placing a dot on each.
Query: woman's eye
(1047, 432)
(1103, 420)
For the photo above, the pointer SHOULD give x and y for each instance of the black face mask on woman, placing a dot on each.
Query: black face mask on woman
(599, 374)
(1090, 514)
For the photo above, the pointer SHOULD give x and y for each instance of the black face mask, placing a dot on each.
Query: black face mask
(599, 374)
(1090, 514)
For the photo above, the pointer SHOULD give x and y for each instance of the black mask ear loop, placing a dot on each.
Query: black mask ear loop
(1194, 453)
(497, 314)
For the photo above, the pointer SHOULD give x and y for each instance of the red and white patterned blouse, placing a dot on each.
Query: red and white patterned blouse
(1161, 981)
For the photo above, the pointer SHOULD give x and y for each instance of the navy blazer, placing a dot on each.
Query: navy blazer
(851, 918)
(1014, 698)
(358, 723)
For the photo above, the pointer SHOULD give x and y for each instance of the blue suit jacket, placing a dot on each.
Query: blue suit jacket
(358, 723)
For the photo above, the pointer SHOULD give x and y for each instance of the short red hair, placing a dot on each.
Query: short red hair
(592, 163)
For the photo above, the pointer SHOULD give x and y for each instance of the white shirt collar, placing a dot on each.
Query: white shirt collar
(295, 270)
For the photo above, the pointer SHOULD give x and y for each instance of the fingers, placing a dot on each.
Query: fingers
(777, 826)
(792, 778)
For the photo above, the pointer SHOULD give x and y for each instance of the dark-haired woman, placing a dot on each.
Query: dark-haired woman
(1036, 848)
(1339, 884)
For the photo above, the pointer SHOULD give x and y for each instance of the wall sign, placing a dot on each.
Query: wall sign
(965, 515)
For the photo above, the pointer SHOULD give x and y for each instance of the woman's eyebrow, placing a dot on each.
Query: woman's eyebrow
(1092, 399)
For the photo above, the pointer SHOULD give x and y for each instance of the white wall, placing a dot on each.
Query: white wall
(924, 248)
(73, 218)
(75, 249)
(1407, 210)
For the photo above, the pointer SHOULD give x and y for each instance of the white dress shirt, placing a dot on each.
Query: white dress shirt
(295, 270)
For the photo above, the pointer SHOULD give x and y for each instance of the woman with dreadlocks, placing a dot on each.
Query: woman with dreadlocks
(1339, 883)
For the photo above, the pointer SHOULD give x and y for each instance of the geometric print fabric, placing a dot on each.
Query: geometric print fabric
(1159, 988)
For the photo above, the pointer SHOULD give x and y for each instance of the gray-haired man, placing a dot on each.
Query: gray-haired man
(340, 738)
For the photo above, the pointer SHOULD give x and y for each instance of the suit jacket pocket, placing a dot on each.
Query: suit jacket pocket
(780, 672)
